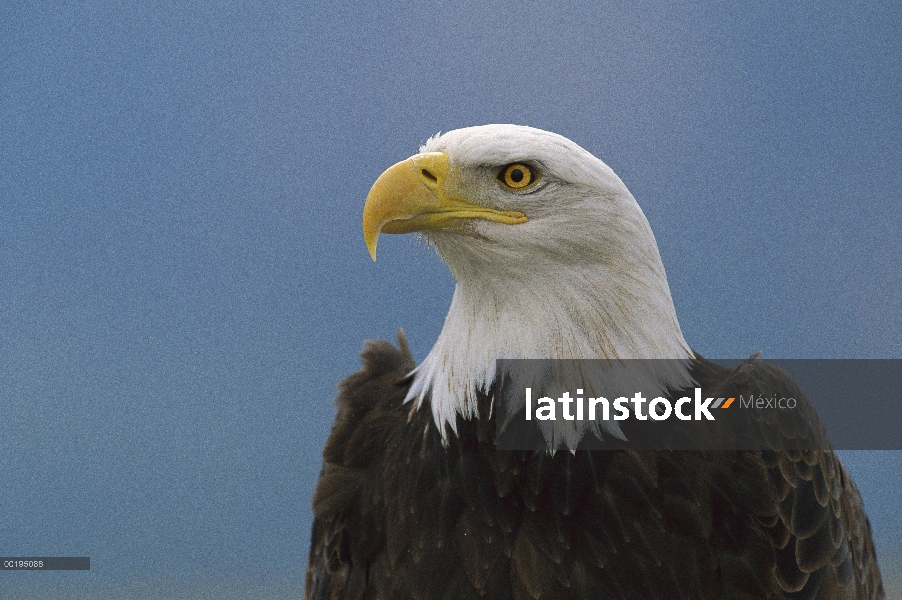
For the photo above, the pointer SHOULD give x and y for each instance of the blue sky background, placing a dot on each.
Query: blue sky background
(183, 279)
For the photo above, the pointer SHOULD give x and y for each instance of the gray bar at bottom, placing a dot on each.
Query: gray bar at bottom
(45, 563)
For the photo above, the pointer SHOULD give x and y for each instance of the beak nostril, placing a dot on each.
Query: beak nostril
(429, 177)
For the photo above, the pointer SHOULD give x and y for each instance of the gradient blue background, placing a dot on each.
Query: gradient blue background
(183, 278)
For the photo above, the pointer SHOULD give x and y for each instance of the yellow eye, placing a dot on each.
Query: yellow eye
(517, 176)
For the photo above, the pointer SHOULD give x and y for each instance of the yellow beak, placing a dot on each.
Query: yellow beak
(411, 196)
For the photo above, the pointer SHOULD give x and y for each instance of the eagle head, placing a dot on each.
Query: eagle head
(552, 255)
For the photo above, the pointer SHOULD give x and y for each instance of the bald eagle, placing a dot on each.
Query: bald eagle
(553, 258)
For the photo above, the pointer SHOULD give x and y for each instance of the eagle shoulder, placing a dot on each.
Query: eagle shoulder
(349, 529)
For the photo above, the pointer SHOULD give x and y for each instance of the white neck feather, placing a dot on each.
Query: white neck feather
(593, 309)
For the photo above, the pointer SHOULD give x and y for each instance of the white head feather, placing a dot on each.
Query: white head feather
(581, 279)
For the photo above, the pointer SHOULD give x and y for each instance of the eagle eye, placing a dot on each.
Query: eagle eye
(517, 176)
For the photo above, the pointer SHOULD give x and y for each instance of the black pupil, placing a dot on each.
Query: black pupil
(517, 175)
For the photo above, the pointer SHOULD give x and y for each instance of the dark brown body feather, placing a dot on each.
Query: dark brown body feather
(399, 515)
